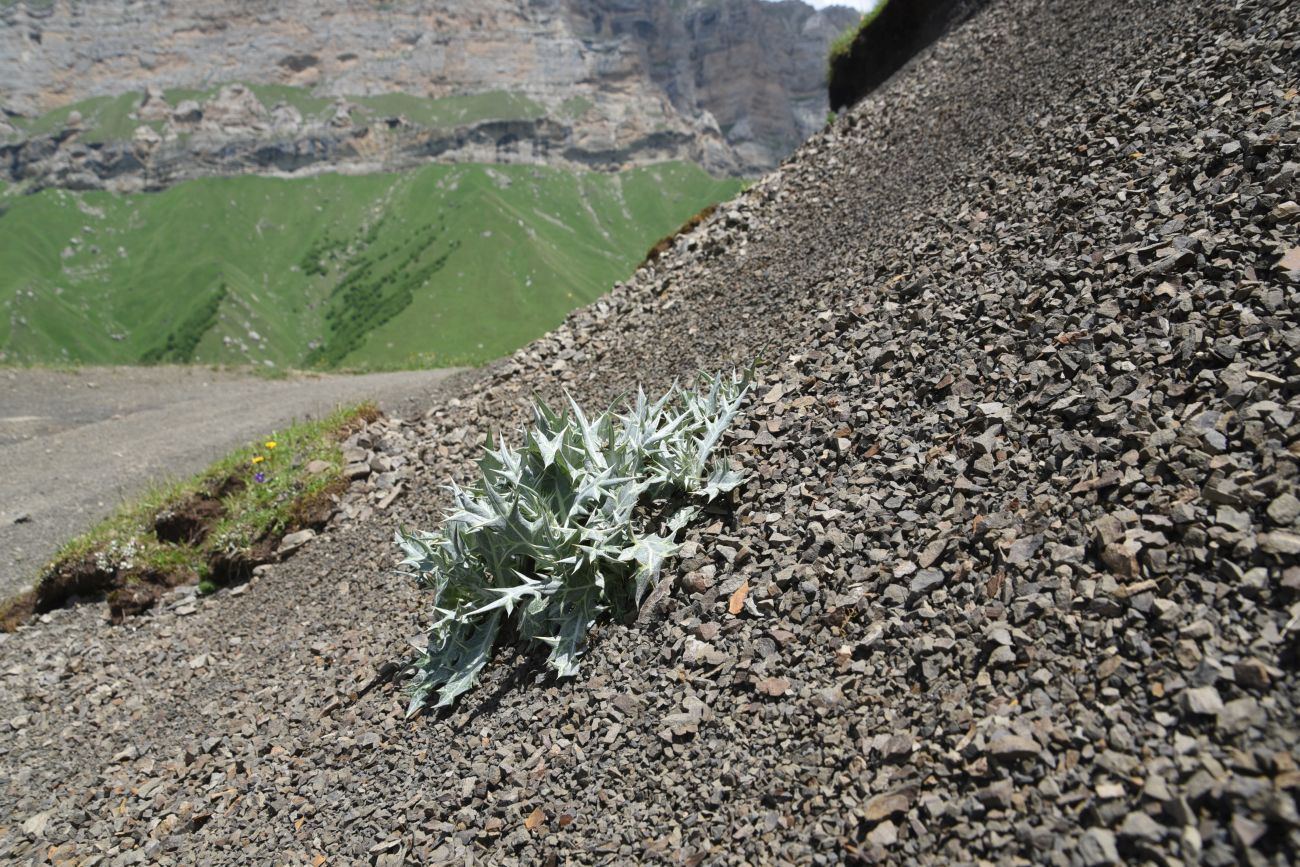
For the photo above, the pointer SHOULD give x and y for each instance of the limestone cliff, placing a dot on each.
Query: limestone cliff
(134, 94)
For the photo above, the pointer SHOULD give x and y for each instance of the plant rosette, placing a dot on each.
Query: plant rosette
(572, 526)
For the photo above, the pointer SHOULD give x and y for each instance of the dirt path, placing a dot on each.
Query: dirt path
(74, 444)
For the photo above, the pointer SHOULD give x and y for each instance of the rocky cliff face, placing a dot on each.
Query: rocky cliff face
(138, 93)
(756, 68)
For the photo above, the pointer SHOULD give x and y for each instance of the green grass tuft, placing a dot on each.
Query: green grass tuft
(131, 552)
(453, 111)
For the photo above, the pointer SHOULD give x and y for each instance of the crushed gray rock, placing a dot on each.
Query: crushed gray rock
(1016, 592)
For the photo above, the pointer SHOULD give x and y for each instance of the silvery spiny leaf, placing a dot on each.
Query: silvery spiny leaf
(649, 551)
(546, 536)
(720, 481)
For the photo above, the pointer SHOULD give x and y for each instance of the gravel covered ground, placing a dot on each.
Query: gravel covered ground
(1020, 531)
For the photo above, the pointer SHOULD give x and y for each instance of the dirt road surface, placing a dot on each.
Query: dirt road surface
(75, 444)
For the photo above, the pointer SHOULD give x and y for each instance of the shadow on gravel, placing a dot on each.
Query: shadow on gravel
(902, 30)
(522, 672)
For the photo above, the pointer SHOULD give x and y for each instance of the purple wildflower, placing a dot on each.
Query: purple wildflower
(260, 477)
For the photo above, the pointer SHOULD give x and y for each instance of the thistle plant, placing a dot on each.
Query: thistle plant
(558, 532)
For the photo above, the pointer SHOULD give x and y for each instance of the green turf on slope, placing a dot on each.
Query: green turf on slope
(106, 119)
(452, 111)
(103, 119)
(442, 265)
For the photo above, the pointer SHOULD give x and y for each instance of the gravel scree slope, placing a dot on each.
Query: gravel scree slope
(1019, 535)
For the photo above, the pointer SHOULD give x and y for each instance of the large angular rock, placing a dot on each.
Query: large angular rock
(234, 107)
(154, 106)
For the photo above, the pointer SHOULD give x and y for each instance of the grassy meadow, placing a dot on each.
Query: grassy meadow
(443, 265)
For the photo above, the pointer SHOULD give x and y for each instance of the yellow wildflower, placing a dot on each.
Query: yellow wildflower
(270, 444)
(257, 459)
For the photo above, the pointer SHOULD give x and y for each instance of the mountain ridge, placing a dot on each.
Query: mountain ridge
(732, 85)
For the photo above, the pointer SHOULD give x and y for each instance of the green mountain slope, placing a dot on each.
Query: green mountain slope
(439, 266)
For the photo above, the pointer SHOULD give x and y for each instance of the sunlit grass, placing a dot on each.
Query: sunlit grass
(264, 489)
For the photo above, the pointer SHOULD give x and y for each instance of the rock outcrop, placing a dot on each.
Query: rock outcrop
(731, 84)
(758, 69)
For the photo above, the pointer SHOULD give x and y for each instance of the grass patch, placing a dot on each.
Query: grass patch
(181, 343)
(664, 244)
(108, 119)
(212, 528)
(452, 111)
(883, 42)
(309, 106)
(104, 119)
(576, 107)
